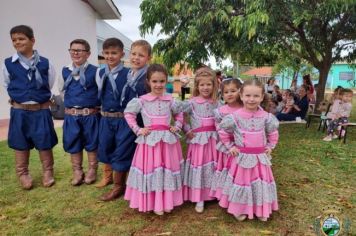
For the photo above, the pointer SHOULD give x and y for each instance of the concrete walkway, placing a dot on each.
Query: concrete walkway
(4, 127)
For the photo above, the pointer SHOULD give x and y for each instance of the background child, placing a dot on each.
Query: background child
(249, 187)
(230, 92)
(28, 78)
(81, 120)
(119, 86)
(289, 102)
(155, 179)
(340, 114)
(201, 135)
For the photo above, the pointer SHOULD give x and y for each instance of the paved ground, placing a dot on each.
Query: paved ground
(4, 127)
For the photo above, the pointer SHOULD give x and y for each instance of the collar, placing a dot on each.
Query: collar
(247, 114)
(228, 109)
(15, 57)
(149, 97)
(71, 67)
(200, 100)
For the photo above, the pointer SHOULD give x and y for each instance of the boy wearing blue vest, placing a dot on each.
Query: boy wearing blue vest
(28, 78)
(81, 120)
(117, 86)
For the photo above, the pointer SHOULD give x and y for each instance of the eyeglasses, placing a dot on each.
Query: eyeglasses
(72, 51)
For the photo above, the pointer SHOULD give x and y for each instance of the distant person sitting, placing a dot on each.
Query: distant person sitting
(289, 102)
(269, 86)
(184, 80)
(300, 107)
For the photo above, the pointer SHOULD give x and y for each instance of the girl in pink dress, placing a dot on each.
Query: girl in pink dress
(155, 180)
(230, 92)
(201, 137)
(250, 188)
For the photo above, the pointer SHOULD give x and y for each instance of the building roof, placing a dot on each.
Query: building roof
(106, 9)
(265, 71)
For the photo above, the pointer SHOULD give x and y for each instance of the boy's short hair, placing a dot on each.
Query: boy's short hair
(113, 42)
(143, 43)
(82, 42)
(22, 29)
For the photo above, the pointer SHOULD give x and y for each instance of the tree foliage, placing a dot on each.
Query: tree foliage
(319, 32)
(198, 29)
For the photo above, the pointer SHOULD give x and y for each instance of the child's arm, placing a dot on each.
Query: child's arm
(177, 110)
(187, 109)
(99, 81)
(5, 76)
(272, 134)
(346, 110)
(225, 129)
(131, 111)
(51, 76)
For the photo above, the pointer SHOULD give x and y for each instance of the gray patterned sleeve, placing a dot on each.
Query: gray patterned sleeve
(177, 106)
(134, 106)
(272, 123)
(227, 123)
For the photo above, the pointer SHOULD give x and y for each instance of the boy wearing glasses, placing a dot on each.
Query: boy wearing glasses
(81, 119)
(28, 78)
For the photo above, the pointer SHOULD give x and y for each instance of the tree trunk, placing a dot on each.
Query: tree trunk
(323, 77)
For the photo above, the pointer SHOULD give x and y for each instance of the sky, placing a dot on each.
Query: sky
(131, 20)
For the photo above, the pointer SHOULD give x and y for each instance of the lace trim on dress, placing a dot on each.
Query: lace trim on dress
(161, 179)
(198, 177)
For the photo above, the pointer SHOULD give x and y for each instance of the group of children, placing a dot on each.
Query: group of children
(228, 154)
(123, 118)
(339, 112)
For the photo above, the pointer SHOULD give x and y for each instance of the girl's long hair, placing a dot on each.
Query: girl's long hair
(205, 72)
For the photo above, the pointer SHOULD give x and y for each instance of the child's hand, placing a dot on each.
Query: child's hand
(190, 135)
(173, 129)
(234, 151)
(144, 131)
(268, 151)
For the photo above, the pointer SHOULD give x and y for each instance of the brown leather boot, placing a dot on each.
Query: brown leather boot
(78, 175)
(93, 167)
(107, 177)
(118, 189)
(22, 161)
(46, 157)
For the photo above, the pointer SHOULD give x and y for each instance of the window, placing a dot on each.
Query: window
(347, 75)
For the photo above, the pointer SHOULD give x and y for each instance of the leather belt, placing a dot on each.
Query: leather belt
(81, 111)
(112, 114)
(31, 107)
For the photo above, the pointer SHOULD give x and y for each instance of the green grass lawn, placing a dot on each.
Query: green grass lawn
(309, 173)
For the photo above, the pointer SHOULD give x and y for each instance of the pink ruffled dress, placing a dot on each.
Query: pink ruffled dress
(201, 154)
(250, 187)
(155, 178)
(223, 162)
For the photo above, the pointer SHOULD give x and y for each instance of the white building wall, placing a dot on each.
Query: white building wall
(55, 23)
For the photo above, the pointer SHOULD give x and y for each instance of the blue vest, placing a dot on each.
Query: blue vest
(108, 101)
(21, 89)
(76, 95)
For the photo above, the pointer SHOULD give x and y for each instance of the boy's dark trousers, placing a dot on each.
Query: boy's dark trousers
(184, 90)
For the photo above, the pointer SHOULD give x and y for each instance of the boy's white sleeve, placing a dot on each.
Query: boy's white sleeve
(51, 76)
(98, 80)
(5, 76)
(60, 84)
